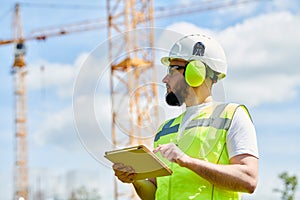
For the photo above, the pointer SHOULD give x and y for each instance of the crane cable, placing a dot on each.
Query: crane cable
(62, 6)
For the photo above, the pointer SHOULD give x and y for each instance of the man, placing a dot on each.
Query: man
(212, 146)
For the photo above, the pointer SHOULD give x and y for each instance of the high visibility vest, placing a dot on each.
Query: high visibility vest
(203, 138)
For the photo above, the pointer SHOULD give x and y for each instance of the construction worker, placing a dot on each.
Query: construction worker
(211, 147)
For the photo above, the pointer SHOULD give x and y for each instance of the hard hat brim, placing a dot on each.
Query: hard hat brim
(167, 60)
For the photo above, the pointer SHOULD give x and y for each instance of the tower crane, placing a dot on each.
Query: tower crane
(19, 71)
(129, 71)
(123, 15)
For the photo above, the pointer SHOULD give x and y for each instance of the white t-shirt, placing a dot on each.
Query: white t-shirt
(241, 135)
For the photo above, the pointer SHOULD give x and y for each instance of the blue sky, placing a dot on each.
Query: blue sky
(261, 41)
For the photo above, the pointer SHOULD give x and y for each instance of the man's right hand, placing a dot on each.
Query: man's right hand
(124, 173)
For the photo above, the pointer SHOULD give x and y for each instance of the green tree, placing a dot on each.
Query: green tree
(290, 186)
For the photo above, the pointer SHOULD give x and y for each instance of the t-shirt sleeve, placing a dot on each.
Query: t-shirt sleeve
(241, 136)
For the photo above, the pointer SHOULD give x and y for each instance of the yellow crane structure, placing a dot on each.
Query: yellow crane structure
(127, 72)
(19, 71)
(121, 18)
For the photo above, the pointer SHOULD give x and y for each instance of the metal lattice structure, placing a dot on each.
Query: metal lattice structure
(133, 89)
(19, 73)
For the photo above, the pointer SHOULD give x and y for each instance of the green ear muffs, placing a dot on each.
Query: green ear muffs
(195, 73)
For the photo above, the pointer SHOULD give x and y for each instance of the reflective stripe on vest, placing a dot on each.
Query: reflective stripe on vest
(203, 138)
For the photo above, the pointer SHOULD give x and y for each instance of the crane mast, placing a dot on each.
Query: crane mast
(19, 74)
(132, 62)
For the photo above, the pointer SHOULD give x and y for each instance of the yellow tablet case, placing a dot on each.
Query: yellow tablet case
(145, 163)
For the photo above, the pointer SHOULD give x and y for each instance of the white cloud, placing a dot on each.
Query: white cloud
(262, 55)
(57, 76)
(91, 129)
(256, 90)
(262, 52)
(186, 28)
(264, 43)
(56, 129)
(284, 5)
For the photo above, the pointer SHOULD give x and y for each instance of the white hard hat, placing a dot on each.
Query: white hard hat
(199, 47)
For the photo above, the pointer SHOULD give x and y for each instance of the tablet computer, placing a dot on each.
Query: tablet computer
(145, 163)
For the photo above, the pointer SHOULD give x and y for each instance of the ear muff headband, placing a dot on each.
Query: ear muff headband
(195, 73)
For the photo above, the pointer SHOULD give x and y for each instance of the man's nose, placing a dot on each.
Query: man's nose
(165, 79)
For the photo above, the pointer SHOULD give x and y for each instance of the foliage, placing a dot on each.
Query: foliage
(290, 186)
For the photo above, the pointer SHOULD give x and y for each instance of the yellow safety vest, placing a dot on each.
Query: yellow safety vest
(203, 138)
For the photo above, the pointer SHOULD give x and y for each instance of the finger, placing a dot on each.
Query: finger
(124, 168)
(170, 155)
(119, 173)
(157, 149)
(124, 171)
(163, 148)
(166, 151)
(117, 166)
(131, 176)
(171, 158)
(129, 169)
(127, 178)
(173, 153)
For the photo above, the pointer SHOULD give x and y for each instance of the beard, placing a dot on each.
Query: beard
(178, 98)
(172, 99)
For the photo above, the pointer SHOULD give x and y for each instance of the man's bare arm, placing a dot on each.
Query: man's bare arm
(240, 175)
